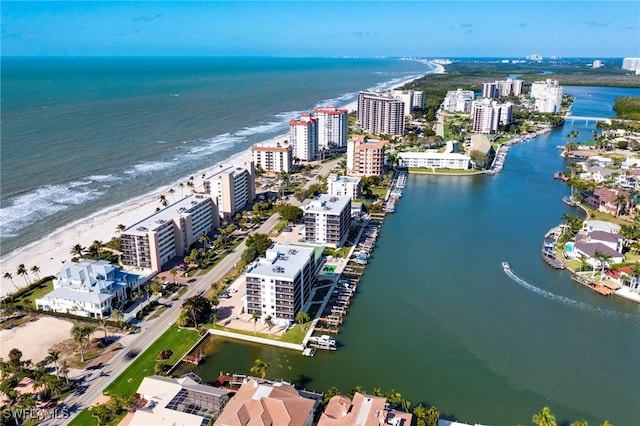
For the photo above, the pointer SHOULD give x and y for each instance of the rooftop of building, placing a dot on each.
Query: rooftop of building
(333, 177)
(361, 410)
(325, 203)
(160, 218)
(260, 402)
(281, 260)
(433, 154)
(224, 169)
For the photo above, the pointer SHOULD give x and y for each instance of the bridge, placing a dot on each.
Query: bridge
(583, 118)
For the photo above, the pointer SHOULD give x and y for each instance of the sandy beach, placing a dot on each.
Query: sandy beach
(51, 251)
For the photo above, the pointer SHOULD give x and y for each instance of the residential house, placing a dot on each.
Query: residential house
(626, 277)
(611, 201)
(184, 401)
(89, 288)
(600, 225)
(590, 245)
(362, 410)
(259, 402)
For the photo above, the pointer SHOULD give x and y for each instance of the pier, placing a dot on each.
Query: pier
(395, 192)
(549, 247)
(600, 289)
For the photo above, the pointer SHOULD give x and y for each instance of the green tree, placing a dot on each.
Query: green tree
(194, 310)
(9, 276)
(290, 213)
(579, 423)
(261, 242)
(81, 334)
(260, 367)
(249, 255)
(255, 317)
(118, 316)
(544, 418)
(36, 271)
(269, 323)
(302, 318)
(16, 364)
(53, 356)
(77, 250)
(330, 393)
(22, 270)
(64, 370)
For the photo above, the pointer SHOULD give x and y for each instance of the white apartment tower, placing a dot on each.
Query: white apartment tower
(232, 187)
(273, 157)
(487, 115)
(333, 126)
(458, 101)
(547, 95)
(156, 239)
(380, 113)
(343, 185)
(279, 285)
(303, 137)
(501, 88)
(412, 99)
(327, 219)
(631, 64)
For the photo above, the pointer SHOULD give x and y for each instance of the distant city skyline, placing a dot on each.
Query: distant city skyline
(323, 28)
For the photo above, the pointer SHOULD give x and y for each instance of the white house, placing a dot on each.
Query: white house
(434, 160)
(89, 288)
(343, 185)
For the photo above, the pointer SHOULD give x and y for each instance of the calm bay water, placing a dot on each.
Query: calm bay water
(83, 134)
(437, 319)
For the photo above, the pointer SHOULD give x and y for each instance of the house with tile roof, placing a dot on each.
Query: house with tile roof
(362, 410)
(260, 402)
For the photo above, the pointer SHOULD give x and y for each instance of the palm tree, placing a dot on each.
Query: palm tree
(80, 334)
(77, 250)
(621, 204)
(163, 200)
(181, 186)
(605, 258)
(173, 273)
(172, 192)
(9, 276)
(544, 418)
(36, 271)
(269, 322)
(255, 317)
(53, 357)
(301, 318)
(22, 270)
(120, 227)
(39, 376)
(260, 367)
(64, 370)
(118, 316)
(579, 423)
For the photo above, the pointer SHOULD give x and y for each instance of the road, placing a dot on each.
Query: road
(95, 381)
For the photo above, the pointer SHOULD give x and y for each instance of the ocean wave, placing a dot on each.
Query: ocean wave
(149, 167)
(28, 208)
(214, 144)
(103, 178)
(262, 128)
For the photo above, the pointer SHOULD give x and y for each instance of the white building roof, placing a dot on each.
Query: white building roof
(347, 179)
(284, 261)
(158, 219)
(434, 155)
(327, 204)
(226, 168)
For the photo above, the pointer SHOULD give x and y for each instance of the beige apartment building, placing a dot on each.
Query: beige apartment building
(365, 157)
(233, 188)
(274, 157)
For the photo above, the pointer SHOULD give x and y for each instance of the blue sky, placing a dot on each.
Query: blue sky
(324, 28)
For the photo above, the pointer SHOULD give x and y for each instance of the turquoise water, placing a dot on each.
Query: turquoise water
(568, 247)
(83, 134)
(436, 318)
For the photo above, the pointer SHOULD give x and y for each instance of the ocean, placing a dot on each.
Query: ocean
(80, 135)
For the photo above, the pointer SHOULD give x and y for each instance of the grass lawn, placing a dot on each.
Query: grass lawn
(379, 192)
(295, 334)
(598, 215)
(175, 339)
(28, 299)
(84, 418)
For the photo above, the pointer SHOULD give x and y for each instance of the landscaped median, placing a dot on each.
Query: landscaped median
(175, 339)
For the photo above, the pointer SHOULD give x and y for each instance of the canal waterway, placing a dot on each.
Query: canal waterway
(437, 319)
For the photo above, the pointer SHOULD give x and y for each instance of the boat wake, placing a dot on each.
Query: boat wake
(565, 300)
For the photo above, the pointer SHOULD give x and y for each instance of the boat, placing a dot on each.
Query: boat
(569, 202)
(506, 266)
(324, 340)
(310, 351)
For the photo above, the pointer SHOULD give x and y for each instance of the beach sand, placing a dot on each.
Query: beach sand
(49, 331)
(50, 252)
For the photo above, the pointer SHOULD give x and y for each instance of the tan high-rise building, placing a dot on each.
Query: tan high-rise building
(155, 240)
(380, 113)
(274, 157)
(365, 157)
(303, 137)
(232, 187)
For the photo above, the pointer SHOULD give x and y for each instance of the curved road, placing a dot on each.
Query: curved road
(95, 381)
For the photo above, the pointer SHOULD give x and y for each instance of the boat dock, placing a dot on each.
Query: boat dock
(395, 192)
(193, 359)
(549, 247)
(600, 289)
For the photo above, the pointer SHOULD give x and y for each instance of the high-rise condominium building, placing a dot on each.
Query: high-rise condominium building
(303, 137)
(232, 187)
(279, 284)
(458, 101)
(631, 64)
(487, 115)
(547, 95)
(380, 113)
(333, 126)
(412, 99)
(273, 157)
(156, 239)
(365, 157)
(501, 88)
(327, 219)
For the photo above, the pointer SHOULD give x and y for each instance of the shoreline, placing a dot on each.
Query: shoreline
(49, 252)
